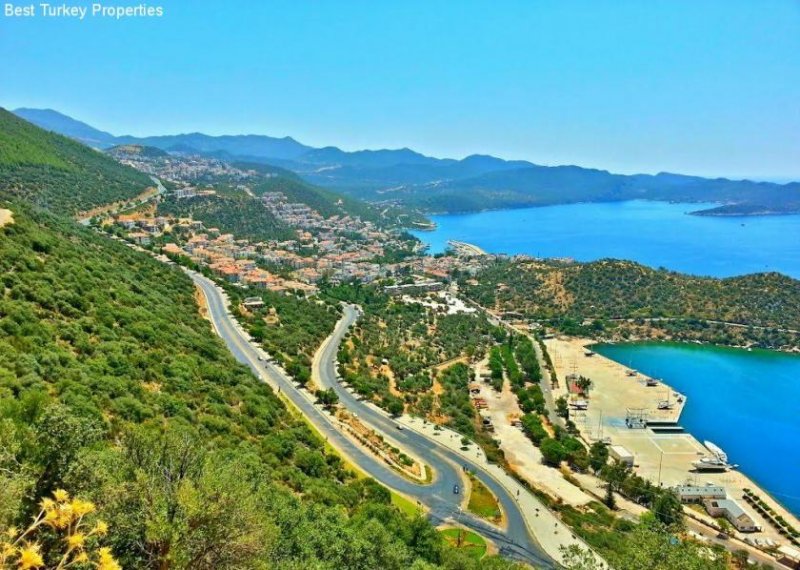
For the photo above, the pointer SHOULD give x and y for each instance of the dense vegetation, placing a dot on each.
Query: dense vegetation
(289, 327)
(324, 201)
(241, 216)
(620, 298)
(113, 388)
(401, 344)
(408, 357)
(59, 173)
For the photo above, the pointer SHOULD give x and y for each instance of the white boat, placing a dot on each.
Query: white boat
(716, 451)
(717, 461)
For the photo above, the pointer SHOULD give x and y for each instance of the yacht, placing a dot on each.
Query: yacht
(717, 461)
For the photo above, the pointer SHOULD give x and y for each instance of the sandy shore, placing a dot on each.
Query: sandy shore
(662, 458)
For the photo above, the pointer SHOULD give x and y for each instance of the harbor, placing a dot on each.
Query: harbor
(465, 249)
(638, 416)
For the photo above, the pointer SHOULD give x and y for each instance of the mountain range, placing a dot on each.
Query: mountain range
(478, 182)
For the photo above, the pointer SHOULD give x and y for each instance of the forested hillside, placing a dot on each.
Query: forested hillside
(58, 173)
(113, 388)
(242, 216)
(610, 293)
(323, 201)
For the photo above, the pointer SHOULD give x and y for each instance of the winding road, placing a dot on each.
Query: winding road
(515, 541)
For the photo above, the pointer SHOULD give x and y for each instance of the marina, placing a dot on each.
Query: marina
(624, 411)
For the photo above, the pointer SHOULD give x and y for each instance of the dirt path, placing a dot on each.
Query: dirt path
(6, 217)
(202, 308)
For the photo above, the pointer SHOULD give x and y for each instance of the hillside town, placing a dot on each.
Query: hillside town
(336, 248)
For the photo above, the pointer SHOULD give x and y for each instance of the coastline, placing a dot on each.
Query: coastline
(664, 458)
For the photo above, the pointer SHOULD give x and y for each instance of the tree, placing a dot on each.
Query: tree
(552, 451)
(598, 456)
(395, 407)
(667, 509)
(608, 499)
(562, 409)
(573, 557)
(584, 384)
(328, 398)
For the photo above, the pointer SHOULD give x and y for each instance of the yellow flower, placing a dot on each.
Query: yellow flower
(100, 528)
(12, 532)
(106, 560)
(81, 557)
(61, 495)
(29, 557)
(47, 503)
(51, 517)
(81, 508)
(76, 540)
(64, 516)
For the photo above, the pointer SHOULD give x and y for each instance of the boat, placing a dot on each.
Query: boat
(651, 382)
(667, 404)
(631, 372)
(717, 461)
(716, 450)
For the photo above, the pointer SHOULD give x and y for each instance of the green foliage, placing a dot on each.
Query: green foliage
(632, 546)
(324, 201)
(409, 337)
(533, 428)
(620, 298)
(241, 216)
(553, 453)
(290, 327)
(598, 455)
(113, 387)
(58, 173)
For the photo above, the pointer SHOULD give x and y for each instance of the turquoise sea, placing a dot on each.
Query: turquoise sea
(746, 402)
(657, 234)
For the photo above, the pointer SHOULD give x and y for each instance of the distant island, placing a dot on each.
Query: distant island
(407, 178)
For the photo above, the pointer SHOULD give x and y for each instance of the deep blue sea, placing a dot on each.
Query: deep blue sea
(657, 234)
(748, 403)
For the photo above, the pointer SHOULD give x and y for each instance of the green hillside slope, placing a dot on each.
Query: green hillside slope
(58, 173)
(623, 297)
(114, 388)
(241, 216)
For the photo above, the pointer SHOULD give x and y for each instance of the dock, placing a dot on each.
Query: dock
(624, 411)
(465, 249)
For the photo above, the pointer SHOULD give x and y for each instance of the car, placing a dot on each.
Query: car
(261, 358)
(456, 490)
(398, 426)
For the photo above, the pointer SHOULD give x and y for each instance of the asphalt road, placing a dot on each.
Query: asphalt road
(515, 541)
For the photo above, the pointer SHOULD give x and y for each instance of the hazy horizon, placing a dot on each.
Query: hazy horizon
(707, 89)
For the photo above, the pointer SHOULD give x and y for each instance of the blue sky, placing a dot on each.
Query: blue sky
(698, 87)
